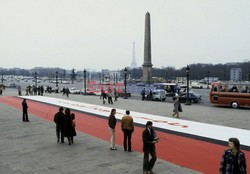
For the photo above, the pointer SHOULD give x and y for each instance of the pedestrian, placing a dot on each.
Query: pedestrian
(104, 96)
(127, 125)
(233, 160)
(25, 111)
(115, 94)
(112, 124)
(19, 90)
(143, 93)
(149, 140)
(67, 92)
(110, 96)
(73, 133)
(1, 90)
(177, 107)
(59, 119)
(68, 126)
(42, 90)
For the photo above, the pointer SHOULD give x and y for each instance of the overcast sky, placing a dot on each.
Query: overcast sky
(98, 34)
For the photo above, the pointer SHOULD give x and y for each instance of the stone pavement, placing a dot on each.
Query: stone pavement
(31, 148)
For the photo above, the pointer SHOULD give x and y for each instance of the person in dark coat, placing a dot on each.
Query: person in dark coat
(112, 124)
(59, 120)
(68, 126)
(73, 128)
(67, 91)
(143, 93)
(25, 111)
(233, 160)
(149, 140)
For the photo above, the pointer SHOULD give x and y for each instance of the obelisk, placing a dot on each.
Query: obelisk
(147, 65)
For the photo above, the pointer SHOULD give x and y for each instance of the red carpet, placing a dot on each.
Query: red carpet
(194, 154)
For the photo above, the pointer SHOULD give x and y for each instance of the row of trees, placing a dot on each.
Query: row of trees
(197, 72)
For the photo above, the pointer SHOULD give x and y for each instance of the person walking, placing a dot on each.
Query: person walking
(110, 101)
(25, 111)
(177, 107)
(19, 89)
(115, 94)
(127, 125)
(68, 126)
(59, 119)
(73, 128)
(233, 160)
(149, 140)
(112, 124)
(67, 92)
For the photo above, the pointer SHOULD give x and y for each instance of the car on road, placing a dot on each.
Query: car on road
(193, 97)
(159, 94)
(74, 90)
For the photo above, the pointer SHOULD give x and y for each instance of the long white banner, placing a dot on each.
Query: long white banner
(216, 132)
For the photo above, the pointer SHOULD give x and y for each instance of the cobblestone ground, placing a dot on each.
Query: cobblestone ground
(31, 148)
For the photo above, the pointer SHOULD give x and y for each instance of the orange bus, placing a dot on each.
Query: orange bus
(234, 94)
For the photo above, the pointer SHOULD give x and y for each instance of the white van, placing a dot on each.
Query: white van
(159, 94)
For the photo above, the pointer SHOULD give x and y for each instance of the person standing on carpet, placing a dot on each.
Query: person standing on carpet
(59, 120)
(149, 140)
(233, 160)
(25, 111)
(127, 125)
(112, 124)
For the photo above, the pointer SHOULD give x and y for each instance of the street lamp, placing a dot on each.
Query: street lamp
(249, 76)
(36, 79)
(224, 75)
(56, 79)
(125, 83)
(2, 79)
(187, 74)
(84, 74)
(208, 80)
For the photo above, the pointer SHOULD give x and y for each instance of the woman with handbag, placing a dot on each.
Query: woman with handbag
(177, 107)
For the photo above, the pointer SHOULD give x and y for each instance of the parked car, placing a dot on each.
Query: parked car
(196, 85)
(74, 90)
(88, 92)
(193, 97)
(159, 94)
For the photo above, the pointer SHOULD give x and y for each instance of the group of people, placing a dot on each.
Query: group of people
(65, 90)
(109, 95)
(32, 90)
(149, 138)
(233, 159)
(65, 125)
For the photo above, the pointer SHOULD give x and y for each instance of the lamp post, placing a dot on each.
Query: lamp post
(224, 75)
(187, 74)
(125, 83)
(249, 76)
(56, 79)
(208, 80)
(36, 79)
(84, 74)
(2, 79)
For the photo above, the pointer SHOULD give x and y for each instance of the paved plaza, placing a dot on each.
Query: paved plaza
(32, 147)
